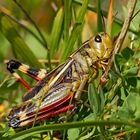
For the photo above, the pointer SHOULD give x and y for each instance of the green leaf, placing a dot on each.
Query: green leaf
(71, 41)
(56, 32)
(123, 93)
(93, 98)
(77, 29)
(73, 134)
(118, 62)
(89, 135)
(67, 18)
(18, 44)
(82, 11)
(102, 98)
(132, 81)
(130, 108)
(131, 72)
(137, 55)
(127, 53)
(99, 17)
(8, 85)
(90, 117)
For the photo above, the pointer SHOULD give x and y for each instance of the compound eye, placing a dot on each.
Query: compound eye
(98, 39)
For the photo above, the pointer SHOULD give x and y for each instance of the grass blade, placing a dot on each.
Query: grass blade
(93, 98)
(56, 32)
(18, 44)
(109, 18)
(99, 17)
(67, 18)
(76, 31)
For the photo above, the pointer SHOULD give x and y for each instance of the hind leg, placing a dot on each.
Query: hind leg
(35, 73)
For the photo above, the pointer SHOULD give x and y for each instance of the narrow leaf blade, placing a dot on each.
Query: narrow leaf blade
(17, 43)
(56, 32)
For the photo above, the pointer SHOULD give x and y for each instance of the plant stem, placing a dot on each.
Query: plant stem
(62, 126)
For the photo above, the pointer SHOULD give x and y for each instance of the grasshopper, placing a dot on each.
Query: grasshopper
(58, 90)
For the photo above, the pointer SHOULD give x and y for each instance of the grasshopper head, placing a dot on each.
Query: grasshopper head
(102, 45)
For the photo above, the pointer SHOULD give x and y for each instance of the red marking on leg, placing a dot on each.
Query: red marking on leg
(52, 106)
(56, 104)
(35, 77)
(52, 113)
(21, 80)
(49, 111)
(24, 83)
(47, 115)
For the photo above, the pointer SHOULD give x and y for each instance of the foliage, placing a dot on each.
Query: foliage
(111, 111)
